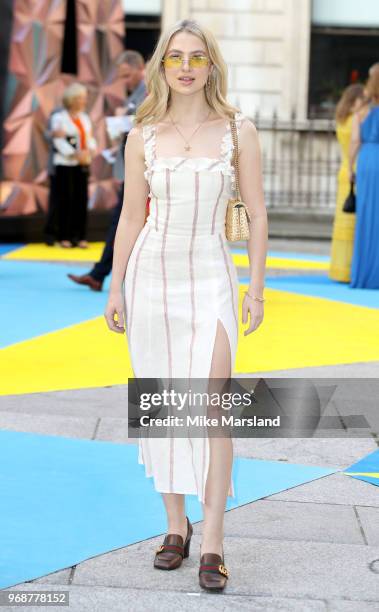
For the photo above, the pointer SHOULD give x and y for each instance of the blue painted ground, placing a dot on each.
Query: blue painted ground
(65, 500)
(370, 463)
(324, 287)
(7, 248)
(37, 298)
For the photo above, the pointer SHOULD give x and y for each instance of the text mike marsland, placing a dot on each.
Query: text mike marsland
(203, 421)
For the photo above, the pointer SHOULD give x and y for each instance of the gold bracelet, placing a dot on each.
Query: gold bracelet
(254, 297)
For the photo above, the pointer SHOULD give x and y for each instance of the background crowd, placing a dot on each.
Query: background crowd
(355, 240)
(355, 244)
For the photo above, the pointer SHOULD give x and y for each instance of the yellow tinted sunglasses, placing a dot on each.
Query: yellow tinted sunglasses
(177, 61)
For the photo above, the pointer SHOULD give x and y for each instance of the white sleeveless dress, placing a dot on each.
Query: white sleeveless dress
(180, 280)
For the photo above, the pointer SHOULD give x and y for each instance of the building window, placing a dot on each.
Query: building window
(344, 44)
(338, 57)
(142, 33)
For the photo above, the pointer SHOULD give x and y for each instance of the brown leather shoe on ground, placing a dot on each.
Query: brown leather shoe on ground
(172, 552)
(212, 572)
(86, 279)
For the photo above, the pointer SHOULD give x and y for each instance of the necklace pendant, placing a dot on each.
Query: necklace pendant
(187, 148)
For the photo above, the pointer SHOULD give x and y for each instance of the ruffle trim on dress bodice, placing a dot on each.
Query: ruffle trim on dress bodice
(178, 163)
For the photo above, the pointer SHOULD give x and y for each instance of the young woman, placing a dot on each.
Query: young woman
(344, 223)
(181, 287)
(365, 146)
(74, 149)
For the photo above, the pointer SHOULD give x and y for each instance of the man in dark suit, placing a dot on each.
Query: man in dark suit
(131, 67)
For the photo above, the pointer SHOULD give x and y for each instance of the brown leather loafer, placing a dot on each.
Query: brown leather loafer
(212, 572)
(86, 279)
(172, 552)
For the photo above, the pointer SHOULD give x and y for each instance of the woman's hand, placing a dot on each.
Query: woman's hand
(115, 306)
(255, 308)
(84, 157)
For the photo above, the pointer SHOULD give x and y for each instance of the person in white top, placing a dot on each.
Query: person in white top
(73, 154)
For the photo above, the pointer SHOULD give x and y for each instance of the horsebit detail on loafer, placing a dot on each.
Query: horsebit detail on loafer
(222, 569)
(169, 547)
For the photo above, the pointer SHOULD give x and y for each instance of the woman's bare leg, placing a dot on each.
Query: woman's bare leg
(221, 453)
(176, 517)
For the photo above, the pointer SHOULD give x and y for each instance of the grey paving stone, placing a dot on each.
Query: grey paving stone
(367, 369)
(274, 520)
(114, 430)
(103, 599)
(60, 577)
(338, 453)
(352, 606)
(369, 518)
(132, 566)
(368, 407)
(269, 568)
(302, 245)
(50, 425)
(334, 489)
(92, 402)
(355, 394)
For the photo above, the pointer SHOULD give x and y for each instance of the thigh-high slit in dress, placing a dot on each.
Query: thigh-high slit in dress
(180, 282)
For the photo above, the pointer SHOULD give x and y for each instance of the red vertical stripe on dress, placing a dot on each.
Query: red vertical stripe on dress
(167, 323)
(192, 278)
(217, 202)
(229, 277)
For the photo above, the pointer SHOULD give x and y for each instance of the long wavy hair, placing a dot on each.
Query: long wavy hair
(156, 103)
(347, 100)
(372, 85)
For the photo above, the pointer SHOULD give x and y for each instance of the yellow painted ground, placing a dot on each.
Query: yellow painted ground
(283, 263)
(41, 252)
(371, 474)
(77, 357)
(297, 331)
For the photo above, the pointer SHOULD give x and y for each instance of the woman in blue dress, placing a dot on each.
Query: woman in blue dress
(365, 145)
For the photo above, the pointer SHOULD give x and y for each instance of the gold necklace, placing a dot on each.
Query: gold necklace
(187, 147)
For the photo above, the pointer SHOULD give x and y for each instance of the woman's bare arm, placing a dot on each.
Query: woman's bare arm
(251, 188)
(131, 222)
(355, 142)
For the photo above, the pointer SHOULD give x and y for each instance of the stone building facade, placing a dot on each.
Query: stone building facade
(266, 46)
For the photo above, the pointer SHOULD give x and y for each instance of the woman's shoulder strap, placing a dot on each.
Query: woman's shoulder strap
(148, 135)
(239, 118)
(227, 145)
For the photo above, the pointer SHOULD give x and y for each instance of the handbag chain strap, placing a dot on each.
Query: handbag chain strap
(235, 157)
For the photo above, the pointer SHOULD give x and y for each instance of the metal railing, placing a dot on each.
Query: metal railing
(300, 162)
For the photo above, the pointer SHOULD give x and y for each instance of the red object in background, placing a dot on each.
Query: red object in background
(82, 132)
(147, 209)
(354, 76)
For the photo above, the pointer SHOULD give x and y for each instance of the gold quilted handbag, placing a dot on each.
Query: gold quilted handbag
(237, 215)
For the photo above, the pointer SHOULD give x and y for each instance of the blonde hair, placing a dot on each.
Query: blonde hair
(347, 100)
(155, 105)
(71, 92)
